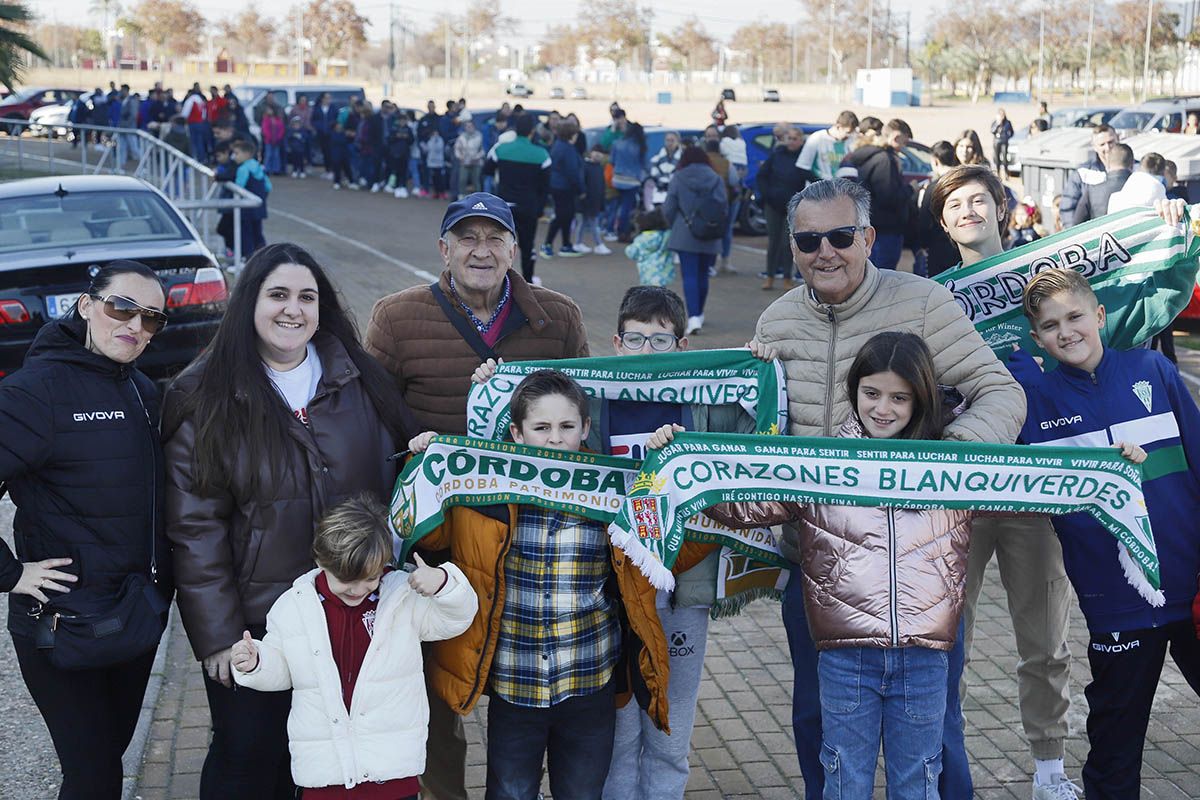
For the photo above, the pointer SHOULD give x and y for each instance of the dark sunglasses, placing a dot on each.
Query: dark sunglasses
(124, 309)
(658, 341)
(840, 238)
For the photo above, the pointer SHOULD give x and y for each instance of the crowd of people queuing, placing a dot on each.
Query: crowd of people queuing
(278, 550)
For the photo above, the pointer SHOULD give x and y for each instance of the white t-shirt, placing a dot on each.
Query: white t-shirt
(822, 154)
(299, 384)
(734, 151)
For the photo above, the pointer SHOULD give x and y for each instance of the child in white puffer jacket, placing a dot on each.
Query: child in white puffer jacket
(346, 639)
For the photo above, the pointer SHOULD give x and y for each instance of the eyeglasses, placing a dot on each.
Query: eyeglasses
(840, 238)
(124, 309)
(658, 341)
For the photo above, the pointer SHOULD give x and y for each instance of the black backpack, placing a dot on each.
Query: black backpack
(708, 219)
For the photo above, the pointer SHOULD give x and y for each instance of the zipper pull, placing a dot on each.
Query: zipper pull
(54, 623)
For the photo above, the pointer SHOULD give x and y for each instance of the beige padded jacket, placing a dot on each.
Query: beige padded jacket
(818, 342)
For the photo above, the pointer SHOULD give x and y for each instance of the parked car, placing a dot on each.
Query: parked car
(21, 104)
(770, 95)
(915, 165)
(1166, 114)
(1076, 117)
(56, 233)
(519, 90)
(579, 93)
(557, 93)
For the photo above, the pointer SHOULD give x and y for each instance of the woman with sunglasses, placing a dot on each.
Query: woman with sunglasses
(282, 418)
(81, 458)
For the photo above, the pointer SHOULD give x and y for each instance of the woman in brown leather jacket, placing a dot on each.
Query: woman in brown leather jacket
(284, 416)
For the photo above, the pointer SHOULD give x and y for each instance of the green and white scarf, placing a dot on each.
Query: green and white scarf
(1141, 269)
(702, 377)
(462, 471)
(700, 470)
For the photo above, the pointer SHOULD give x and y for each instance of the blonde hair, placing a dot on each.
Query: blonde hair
(354, 540)
(1051, 282)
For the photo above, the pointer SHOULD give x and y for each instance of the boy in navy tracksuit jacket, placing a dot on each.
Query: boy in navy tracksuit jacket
(250, 175)
(1098, 397)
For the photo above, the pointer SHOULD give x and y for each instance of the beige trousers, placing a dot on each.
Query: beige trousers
(1039, 602)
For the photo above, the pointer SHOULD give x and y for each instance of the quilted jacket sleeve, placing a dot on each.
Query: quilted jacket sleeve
(996, 402)
(198, 527)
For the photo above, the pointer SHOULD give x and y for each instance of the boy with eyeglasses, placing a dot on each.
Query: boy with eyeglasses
(651, 321)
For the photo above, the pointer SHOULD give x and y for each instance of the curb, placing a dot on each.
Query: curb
(134, 753)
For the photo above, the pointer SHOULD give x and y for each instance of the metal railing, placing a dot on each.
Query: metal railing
(189, 185)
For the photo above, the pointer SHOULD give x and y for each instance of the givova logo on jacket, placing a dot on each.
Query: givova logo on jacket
(93, 416)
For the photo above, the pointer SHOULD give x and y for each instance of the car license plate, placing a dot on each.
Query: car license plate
(59, 305)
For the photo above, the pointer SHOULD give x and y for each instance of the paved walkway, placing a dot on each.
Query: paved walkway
(742, 746)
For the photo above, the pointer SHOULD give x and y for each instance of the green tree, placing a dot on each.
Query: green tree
(15, 43)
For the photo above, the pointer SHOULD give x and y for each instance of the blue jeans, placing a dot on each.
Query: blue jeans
(897, 694)
(198, 138)
(627, 198)
(885, 254)
(955, 782)
(727, 241)
(272, 159)
(576, 737)
(694, 267)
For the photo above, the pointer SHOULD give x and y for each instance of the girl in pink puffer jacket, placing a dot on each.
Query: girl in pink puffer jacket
(883, 589)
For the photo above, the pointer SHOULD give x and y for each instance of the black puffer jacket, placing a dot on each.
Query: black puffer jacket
(84, 467)
(236, 553)
(779, 178)
(891, 197)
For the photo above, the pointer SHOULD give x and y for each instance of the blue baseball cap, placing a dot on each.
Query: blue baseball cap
(479, 204)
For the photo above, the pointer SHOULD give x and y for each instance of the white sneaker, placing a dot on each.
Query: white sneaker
(694, 324)
(376, 187)
(401, 193)
(601, 250)
(1059, 788)
(582, 249)
(537, 280)
(303, 174)
(610, 237)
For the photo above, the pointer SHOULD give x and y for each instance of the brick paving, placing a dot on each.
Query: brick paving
(742, 746)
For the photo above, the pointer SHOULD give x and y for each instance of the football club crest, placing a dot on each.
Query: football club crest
(1144, 393)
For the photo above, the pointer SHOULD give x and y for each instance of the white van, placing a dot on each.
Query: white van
(1162, 114)
(251, 96)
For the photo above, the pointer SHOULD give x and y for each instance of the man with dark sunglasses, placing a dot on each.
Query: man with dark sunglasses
(816, 330)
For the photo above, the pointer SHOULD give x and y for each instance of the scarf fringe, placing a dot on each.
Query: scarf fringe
(725, 607)
(1137, 579)
(656, 572)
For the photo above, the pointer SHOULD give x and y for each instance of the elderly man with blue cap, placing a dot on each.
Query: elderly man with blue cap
(431, 338)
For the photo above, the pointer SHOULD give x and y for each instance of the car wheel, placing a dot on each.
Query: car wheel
(14, 130)
(752, 221)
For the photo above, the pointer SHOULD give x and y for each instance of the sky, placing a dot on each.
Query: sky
(721, 17)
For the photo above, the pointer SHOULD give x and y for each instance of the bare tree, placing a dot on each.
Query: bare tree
(766, 47)
(559, 47)
(172, 27)
(249, 34)
(694, 46)
(333, 27)
(614, 31)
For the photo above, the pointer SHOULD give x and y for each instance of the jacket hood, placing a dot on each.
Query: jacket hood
(862, 154)
(695, 176)
(62, 340)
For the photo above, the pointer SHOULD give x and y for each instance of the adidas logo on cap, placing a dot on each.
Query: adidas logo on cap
(479, 206)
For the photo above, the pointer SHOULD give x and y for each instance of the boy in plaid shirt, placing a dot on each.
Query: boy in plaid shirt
(566, 626)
